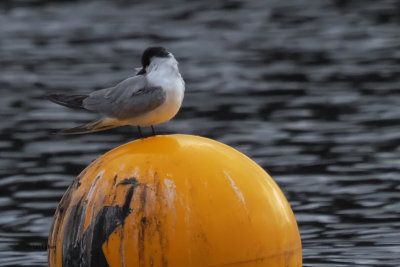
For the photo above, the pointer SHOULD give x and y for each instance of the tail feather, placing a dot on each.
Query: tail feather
(71, 101)
(92, 127)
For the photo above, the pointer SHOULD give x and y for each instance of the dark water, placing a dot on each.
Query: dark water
(309, 89)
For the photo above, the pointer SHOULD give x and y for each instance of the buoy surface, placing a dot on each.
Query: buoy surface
(176, 200)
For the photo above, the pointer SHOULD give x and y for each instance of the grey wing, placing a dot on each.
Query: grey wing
(130, 98)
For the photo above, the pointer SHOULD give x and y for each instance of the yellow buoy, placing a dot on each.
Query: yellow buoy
(176, 200)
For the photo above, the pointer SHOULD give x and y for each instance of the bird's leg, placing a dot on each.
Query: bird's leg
(140, 132)
(152, 129)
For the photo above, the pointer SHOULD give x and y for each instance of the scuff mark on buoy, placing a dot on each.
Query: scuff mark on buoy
(93, 186)
(115, 180)
(170, 195)
(235, 188)
(142, 227)
(129, 181)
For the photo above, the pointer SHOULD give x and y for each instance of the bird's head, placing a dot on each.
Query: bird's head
(155, 56)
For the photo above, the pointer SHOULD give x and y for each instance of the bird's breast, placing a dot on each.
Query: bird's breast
(171, 81)
(174, 89)
(174, 98)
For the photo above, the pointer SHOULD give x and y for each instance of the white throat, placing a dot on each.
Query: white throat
(164, 72)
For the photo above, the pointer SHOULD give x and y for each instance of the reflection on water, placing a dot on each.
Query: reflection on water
(310, 90)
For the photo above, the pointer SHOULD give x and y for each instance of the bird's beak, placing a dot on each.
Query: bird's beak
(140, 71)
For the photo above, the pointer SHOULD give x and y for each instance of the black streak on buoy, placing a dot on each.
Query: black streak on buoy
(87, 251)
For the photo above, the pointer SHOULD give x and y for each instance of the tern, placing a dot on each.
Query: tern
(153, 96)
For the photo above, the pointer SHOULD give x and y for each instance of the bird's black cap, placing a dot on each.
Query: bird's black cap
(156, 51)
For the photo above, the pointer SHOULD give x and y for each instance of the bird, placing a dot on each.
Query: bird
(153, 96)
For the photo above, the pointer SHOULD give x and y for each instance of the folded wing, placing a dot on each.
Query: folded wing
(130, 98)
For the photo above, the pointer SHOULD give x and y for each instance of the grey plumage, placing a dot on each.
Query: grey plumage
(130, 98)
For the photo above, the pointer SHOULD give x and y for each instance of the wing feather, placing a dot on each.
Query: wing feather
(130, 98)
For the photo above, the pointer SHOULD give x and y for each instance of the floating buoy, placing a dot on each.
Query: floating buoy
(175, 200)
